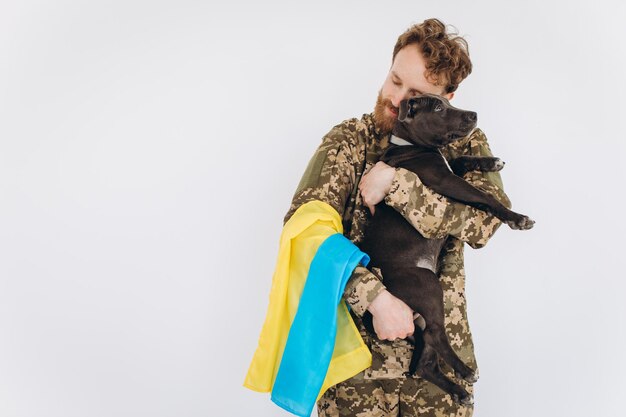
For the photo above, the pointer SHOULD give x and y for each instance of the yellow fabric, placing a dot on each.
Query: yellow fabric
(305, 231)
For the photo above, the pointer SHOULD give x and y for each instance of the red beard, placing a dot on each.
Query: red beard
(384, 122)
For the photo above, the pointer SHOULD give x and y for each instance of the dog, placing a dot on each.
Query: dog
(407, 260)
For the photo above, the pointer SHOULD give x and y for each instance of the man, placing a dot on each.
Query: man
(345, 173)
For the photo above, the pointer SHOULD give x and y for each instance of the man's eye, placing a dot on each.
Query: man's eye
(438, 107)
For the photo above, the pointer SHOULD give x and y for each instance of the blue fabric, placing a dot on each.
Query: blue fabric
(311, 339)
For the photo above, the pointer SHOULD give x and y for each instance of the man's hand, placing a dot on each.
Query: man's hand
(375, 185)
(392, 318)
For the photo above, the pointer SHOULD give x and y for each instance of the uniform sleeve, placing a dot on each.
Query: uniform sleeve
(330, 177)
(436, 216)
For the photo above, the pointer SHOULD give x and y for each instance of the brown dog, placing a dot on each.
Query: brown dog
(407, 260)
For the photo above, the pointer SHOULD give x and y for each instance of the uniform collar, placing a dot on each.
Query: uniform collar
(399, 141)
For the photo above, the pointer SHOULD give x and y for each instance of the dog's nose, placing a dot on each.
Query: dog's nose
(470, 116)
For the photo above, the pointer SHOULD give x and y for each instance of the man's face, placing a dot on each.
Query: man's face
(406, 79)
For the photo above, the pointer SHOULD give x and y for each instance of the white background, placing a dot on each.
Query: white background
(149, 151)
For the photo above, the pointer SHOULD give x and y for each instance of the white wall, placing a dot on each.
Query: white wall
(149, 150)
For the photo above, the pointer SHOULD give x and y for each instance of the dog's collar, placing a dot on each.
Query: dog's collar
(399, 141)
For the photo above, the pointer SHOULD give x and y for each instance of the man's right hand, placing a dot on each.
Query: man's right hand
(392, 318)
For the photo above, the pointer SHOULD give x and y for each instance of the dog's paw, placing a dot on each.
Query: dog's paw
(498, 164)
(467, 400)
(464, 399)
(521, 223)
(490, 164)
(471, 378)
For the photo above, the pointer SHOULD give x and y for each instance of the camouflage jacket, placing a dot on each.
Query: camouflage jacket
(348, 151)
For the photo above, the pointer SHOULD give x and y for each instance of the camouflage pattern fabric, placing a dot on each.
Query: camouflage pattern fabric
(347, 152)
(406, 397)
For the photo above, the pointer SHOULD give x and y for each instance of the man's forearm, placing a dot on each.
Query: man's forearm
(361, 289)
(436, 216)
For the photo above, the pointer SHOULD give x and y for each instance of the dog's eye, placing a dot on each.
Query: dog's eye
(438, 107)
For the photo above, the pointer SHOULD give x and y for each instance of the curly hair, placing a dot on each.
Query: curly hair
(446, 54)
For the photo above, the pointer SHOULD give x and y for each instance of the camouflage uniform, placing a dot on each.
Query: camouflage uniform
(348, 151)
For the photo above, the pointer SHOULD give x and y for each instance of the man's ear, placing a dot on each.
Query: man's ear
(449, 96)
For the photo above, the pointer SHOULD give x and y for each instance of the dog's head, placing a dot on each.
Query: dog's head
(430, 120)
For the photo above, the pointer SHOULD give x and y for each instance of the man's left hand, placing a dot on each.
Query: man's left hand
(375, 185)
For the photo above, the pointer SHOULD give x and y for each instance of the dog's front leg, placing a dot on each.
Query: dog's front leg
(446, 183)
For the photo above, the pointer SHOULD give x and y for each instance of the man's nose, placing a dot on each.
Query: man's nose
(397, 98)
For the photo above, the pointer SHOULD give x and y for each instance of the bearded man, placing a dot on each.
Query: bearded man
(345, 173)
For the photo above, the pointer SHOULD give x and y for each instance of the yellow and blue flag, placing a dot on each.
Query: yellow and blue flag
(309, 342)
